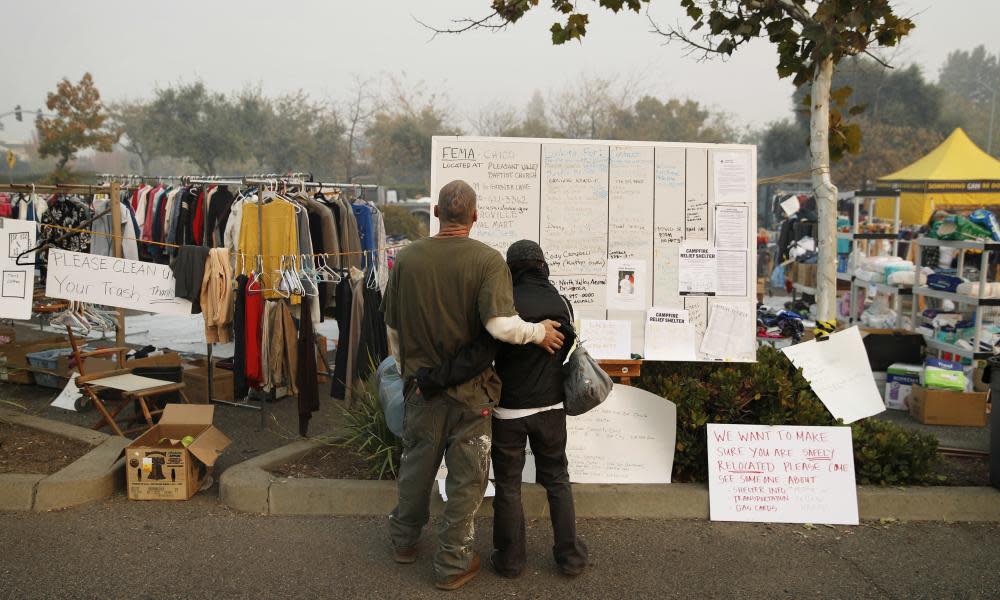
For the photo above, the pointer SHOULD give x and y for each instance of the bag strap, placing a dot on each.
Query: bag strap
(569, 307)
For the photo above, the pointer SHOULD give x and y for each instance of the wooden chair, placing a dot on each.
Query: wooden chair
(141, 398)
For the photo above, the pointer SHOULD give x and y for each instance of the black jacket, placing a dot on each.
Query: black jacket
(532, 378)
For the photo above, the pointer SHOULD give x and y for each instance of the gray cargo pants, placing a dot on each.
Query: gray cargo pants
(432, 428)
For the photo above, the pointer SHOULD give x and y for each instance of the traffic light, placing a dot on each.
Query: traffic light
(17, 113)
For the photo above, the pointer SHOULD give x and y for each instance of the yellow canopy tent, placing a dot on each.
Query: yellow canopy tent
(956, 174)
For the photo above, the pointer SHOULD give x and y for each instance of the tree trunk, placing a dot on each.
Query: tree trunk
(826, 193)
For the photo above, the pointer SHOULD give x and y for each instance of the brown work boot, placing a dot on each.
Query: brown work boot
(405, 556)
(453, 583)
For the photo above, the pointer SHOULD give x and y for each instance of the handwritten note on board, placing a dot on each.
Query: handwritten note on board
(606, 340)
(574, 206)
(506, 179)
(630, 188)
(727, 335)
(781, 474)
(838, 371)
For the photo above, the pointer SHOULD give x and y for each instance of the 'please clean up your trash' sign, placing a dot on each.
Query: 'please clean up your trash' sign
(113, 281)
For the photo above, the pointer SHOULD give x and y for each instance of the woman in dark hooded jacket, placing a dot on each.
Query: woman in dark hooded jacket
(531, 412)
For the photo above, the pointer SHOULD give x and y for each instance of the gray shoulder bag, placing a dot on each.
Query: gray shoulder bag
(585, 383)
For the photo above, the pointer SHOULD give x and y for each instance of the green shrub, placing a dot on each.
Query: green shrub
(773, 392)
(368, 434)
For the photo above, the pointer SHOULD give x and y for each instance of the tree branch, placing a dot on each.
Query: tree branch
(463, 25)
(675, 34)
(796, 11)
(878, 59)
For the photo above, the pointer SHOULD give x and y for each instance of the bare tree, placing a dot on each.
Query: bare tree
(361, 105)
(495, 119)
(586, 108)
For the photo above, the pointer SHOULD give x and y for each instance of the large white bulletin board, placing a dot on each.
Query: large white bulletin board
(592, 205)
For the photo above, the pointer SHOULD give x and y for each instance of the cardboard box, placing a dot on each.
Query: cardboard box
(167, 359)
(196, 383)
(899, 381)
(805, 274)
(941, 407)
(159, 467)
(15, 355)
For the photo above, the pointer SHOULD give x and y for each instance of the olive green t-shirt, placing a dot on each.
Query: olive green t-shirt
(440, 294)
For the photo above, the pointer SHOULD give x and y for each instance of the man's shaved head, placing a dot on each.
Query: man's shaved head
(457, 203)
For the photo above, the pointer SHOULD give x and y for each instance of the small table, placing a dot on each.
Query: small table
(622, 370)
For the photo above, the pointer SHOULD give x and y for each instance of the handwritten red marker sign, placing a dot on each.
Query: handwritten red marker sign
(782, 474)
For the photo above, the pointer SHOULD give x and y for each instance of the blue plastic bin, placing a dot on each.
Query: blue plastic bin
(48, 360)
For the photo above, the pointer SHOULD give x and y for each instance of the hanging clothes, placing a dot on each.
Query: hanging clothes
(218, 216)
(103, 245)
(189, 272)
(373, 342)
(328, 240)
(280, 239)
(240, 386)
(253, 332)
(342, 312)
(217, 297)
(354, 338)
(281, 355)
(65, 211)
(308, 396)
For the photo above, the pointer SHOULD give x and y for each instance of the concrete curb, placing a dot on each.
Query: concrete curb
(249, 487)
(94, 476)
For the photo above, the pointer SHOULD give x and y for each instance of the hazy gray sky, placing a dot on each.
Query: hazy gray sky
(131, 46)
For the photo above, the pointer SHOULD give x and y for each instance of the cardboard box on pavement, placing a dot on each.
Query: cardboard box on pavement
(196, 382)
(157, 464)
(14, 357)
(943, 407)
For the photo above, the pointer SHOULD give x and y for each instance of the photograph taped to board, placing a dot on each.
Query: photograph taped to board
(601, 208)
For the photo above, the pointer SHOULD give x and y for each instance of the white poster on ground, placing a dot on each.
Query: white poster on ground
(606, 340)
(838, 371)
(109, 281)
(629, 438)
(17, 283)
(781, 474)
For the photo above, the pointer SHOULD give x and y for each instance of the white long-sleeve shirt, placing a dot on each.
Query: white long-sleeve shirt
(512, 330)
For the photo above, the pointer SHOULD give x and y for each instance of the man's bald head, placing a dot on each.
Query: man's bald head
(456, 204)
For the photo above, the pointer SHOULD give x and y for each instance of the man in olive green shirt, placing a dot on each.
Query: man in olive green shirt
(442, 292)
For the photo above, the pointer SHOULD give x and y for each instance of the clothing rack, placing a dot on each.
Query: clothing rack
(113, 189)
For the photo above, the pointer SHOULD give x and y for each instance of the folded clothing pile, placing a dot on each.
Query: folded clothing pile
(944, 283)
(989, 290)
